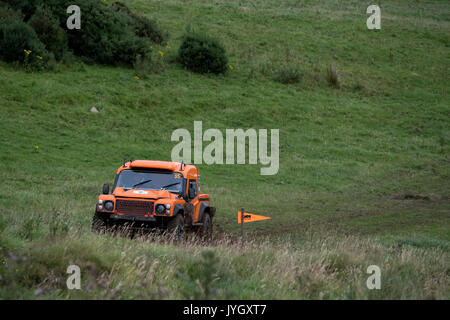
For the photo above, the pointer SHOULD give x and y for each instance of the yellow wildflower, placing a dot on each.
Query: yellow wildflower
(136, 78)
(161, 53)
(27, 51)
(39, 57)
(230, 67)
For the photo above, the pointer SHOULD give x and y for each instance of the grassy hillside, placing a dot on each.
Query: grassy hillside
(364, 168)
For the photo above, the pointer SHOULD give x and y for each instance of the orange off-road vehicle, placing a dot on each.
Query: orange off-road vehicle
(155, 194)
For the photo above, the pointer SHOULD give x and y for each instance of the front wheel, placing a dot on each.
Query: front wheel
(175, 227)
(98, 223)
(206, 229)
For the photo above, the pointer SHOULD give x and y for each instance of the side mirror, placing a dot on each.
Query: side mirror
(106, 188)
(203, 197)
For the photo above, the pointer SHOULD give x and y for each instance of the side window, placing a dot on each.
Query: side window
(192, 189)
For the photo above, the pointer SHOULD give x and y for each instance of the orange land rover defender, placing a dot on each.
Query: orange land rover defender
(155, 194)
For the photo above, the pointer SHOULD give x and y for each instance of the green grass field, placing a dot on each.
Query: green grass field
(364, 172)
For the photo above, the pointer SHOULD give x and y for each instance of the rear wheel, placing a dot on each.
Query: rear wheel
(175, 226)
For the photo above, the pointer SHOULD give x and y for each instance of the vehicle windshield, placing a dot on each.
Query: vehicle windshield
(135, 179)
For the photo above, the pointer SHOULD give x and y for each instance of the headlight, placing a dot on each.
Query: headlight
(160, 209)
(168, 206)
(109, 205)
(100, 201)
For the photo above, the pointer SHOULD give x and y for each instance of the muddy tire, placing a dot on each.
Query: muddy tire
(175, 227)
(205, 230)
(98, 223)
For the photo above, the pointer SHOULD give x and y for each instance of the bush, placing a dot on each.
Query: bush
(142, 26)
(7, 12)
(105, 36)
(202, 54)
(108, 34)
(49, 31)
(333, 77)
(146, 28)
(289, 74)
(199, 278)
(15, 37)
(153, 63)
(27, 7)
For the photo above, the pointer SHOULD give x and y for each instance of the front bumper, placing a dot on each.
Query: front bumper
(130, 218)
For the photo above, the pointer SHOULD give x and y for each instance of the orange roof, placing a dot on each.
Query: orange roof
(155, 164)
(168, 165)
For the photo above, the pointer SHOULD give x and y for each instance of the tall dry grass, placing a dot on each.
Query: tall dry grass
(123, 265)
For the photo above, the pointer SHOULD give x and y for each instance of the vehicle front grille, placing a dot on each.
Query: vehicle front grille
(134, 207)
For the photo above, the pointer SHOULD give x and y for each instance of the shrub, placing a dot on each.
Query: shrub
(143, 66)
(7, 12)
(49, 31)
(58, 225)
(333, 77)
(153, 63)
(143, 27)
(27, 7)
(17, 36)
(289, 74)
(199, 278)
(202, 54)
(146, 28)
(108, 34)
(105, 36)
